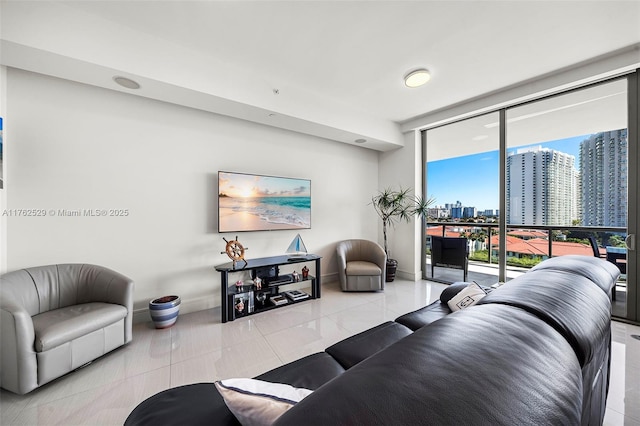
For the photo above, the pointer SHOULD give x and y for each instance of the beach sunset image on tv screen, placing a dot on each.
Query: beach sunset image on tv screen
(248, 202)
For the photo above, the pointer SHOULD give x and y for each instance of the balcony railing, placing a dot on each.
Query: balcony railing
(491, 229)
(486, 272)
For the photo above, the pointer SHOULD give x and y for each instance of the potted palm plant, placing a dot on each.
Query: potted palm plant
(395, 206)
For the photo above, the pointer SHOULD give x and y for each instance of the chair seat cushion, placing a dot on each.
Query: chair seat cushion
(58, 326)
(360, 267)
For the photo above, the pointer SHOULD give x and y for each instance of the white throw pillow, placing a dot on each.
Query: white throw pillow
(468, 296)
(256, 402)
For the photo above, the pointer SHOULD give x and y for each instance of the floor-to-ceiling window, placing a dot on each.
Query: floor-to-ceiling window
(560, 170)
(567, 173)
(462, 172)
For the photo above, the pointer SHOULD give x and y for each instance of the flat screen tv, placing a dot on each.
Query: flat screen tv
(249, 202)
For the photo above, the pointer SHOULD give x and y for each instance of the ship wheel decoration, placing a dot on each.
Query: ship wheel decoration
(235, 251)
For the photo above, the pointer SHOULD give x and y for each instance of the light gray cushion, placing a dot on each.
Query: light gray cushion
(59, 326)
(360, 267)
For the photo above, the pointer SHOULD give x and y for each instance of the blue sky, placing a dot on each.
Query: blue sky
(474, 179)
(247, 185)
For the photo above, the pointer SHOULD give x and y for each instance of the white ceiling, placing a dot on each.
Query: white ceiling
(329, 68)
(590, 110)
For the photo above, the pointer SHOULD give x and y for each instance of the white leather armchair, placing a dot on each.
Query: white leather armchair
(361, 265)
(56, 318)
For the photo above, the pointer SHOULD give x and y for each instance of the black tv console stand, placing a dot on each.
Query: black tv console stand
(248, 295)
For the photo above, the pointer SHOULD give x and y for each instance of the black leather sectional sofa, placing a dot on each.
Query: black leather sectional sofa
(535, 351)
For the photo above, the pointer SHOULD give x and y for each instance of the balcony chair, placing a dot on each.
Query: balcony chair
(596, 249)
(619, 261)
(449, 252)
(361, 265)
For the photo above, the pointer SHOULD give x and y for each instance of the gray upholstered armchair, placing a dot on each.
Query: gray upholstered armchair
(56, 318)
(361, 265)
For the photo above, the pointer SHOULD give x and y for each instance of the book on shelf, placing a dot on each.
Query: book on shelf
(296, 295)
(278, 300)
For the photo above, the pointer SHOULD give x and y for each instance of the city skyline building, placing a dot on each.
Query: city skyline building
(542, 187)
(603, 181)
(580, 180)
(468, 212)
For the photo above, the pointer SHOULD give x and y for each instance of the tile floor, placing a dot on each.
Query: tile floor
(199, 348)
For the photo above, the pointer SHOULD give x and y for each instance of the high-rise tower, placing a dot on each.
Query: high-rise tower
(541, 187)
(603, 165)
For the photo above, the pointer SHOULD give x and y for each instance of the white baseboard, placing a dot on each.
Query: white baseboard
(329, 278)
(410, 276)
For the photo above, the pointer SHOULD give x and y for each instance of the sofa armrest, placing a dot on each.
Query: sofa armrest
(106, 285)
(18, 363)
(380, 258)
(100, 284)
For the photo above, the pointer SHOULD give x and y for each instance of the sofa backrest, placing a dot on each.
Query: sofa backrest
(564, 301)
(534, 351)
(491, 364)
(601, 272)
(43, 288)
(572, 295)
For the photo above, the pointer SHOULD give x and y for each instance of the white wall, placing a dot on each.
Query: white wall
(403, 168)
(80, 147)
(3, 218)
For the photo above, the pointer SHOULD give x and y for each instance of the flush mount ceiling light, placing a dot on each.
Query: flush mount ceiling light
(126, 82)
(417, 78)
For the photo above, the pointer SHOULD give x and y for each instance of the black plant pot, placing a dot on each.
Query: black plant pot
(392, 265)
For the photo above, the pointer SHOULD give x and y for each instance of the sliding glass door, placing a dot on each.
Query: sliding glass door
(462, 168)
(567, 180)
(562, 168)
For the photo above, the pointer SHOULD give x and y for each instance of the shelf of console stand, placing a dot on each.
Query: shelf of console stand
(266, 268)
(245, 300)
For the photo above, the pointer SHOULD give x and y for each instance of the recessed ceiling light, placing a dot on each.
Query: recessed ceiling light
(417, 78)
(126, 82)
(360, 140)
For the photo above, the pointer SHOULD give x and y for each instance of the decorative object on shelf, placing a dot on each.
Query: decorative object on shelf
(239, 286)
(261, 297)
(295, 276)
(164, 311)
(305, 273)
(239, 305)
(243, 304)
(235, 251)
(395, 206)
(257, 281)
(297, 249)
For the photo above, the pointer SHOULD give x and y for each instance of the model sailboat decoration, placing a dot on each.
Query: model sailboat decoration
(297, 248)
